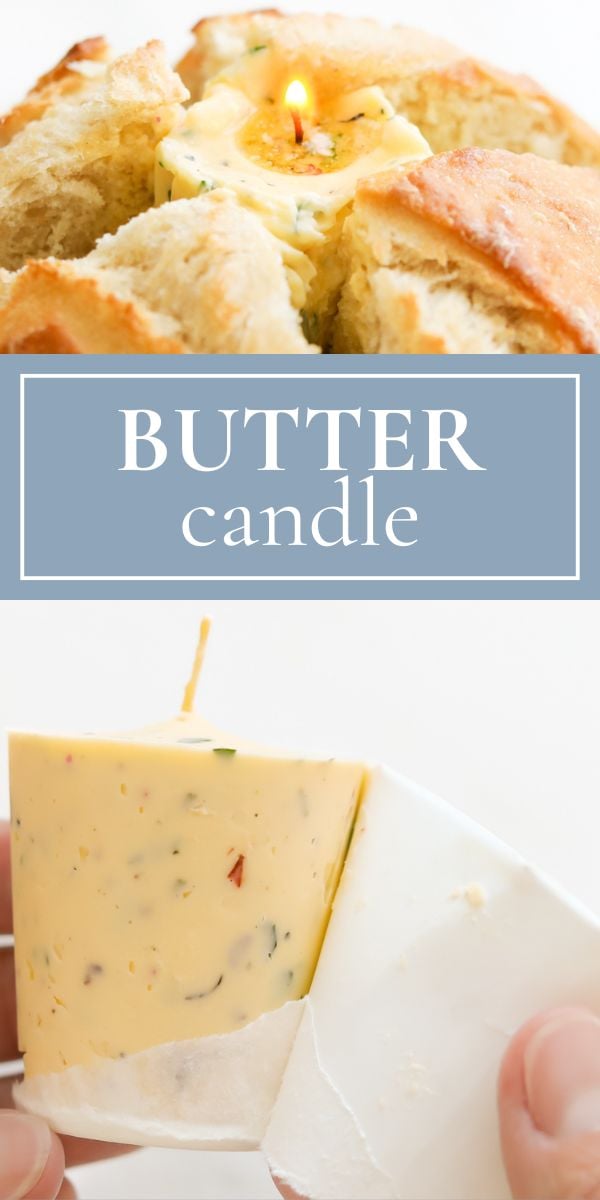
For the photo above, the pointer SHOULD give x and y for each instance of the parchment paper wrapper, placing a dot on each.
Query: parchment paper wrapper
(443, 942)
(382, 1084)
(210, 1093)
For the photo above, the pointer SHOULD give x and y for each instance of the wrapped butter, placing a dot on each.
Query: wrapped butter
(375, 1078)
(171, 886)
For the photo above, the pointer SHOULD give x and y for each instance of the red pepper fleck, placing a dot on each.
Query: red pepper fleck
(310, 169)
(236, 874)
(69, 758)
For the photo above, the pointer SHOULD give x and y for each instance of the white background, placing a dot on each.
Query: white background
(495, 706)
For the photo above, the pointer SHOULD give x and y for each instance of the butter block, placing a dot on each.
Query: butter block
(228, 141)
(171, 885)
(381, 1082)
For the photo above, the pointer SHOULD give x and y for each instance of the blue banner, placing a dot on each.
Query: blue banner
(309, 477)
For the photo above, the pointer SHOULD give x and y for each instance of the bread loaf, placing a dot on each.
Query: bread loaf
(473, 252)
(485, 247)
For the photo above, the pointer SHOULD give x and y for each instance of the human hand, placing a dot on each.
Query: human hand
(549, 1106)
(32, 1158)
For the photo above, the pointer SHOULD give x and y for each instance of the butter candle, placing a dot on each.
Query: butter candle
(295, 162)
(298, 186)
(170, 884)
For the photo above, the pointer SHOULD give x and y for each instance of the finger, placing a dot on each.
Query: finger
(8, 1007)
(31, 1158)
(67, 1191)
(79, 1151)
(5, 896)
(549, 1107)
(50, 1183)
(287, 1192)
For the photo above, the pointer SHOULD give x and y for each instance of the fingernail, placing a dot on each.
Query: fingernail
(25, 1144)
(562, 1075)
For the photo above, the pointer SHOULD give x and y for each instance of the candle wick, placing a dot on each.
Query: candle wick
(189, 694)
(298, 130)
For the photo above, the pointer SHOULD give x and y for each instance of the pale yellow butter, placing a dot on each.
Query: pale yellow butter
(356, 136)
(240, 137)
(167, 885)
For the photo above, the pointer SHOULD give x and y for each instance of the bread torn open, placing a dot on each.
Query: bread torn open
(473, 252)
(196, 276)
(77, 155)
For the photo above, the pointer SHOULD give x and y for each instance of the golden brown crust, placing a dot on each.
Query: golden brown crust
(59, 83)
(53, 311)
(455, 99)
(535, 221)
(94, 49)
(48, 341)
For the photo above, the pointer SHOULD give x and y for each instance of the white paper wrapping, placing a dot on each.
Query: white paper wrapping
(442, 943)
(210, 1093)
(382, 1084)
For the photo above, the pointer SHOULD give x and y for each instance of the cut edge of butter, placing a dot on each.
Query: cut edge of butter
(188, 733)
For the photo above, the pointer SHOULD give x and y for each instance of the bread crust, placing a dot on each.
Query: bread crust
(195, 276)
(52, 310)
(426, 78)
(532, 223)
(340, 53)
(60, 83)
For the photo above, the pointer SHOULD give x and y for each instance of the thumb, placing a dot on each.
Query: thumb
(31, 1158)
(549, 1106)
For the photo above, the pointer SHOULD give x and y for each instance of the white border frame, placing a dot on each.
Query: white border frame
(576, 578)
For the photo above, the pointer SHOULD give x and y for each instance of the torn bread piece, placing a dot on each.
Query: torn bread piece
(78, 157)
(75, 75)
(196, 276)
(473, 252)
(454, 99)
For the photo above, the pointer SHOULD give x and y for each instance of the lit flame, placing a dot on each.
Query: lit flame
(296, 95)
(296, 99)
